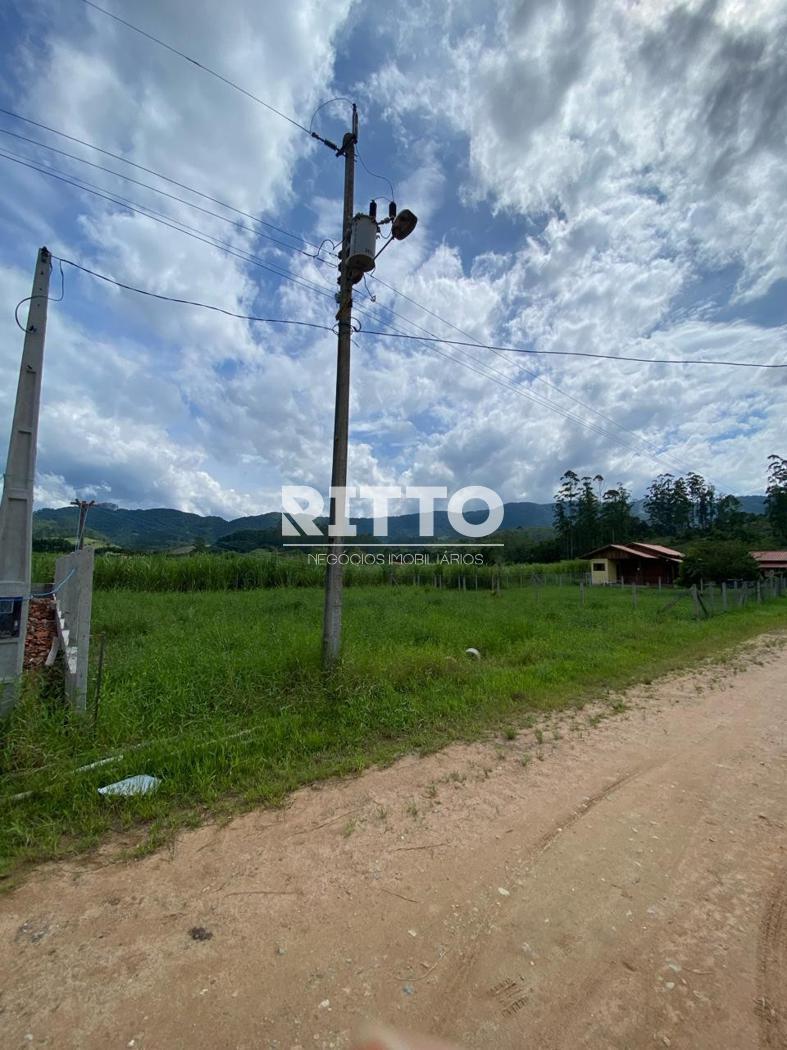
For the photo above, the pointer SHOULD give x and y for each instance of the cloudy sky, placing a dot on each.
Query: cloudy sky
(607, 177)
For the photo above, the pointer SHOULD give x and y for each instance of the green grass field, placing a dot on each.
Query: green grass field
(220, 694)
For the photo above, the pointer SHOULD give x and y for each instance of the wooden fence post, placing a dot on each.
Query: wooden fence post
(724, 597)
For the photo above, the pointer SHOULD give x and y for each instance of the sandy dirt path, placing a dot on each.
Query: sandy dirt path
(625, 887)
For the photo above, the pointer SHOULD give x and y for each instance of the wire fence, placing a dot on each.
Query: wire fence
(707, 599)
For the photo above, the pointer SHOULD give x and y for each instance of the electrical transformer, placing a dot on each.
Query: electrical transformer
(363, 246)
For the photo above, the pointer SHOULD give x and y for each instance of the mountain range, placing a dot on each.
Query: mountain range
(164, 528)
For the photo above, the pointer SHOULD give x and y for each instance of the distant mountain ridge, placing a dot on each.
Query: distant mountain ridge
(164, 528)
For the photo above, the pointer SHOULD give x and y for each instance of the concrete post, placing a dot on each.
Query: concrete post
(16, 508)
(332, 619)
(73, 608)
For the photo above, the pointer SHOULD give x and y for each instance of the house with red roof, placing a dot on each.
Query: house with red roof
(770, 561)
(643, 563)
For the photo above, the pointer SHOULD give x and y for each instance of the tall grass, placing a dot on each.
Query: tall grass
(245, 572)
(221, 694)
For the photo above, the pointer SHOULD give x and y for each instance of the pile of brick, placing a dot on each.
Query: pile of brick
(41, 630)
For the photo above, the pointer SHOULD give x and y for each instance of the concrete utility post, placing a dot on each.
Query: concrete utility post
(334, 573)
(16, 508)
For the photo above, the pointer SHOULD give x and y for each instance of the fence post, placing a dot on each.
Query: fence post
(724, 597)
(581, 593)
(759, 593)
(73, 606)
(696, 600)
(634, 595)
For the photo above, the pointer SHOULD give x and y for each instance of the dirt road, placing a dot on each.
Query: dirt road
(625, 886)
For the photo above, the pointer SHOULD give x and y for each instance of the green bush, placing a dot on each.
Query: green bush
(718, 560)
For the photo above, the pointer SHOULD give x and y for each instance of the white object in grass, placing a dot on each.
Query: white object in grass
(141, 784)
(473, 652)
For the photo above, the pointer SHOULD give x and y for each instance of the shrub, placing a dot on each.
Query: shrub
(718, 560)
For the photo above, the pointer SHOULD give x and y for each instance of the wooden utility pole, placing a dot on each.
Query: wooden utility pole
(84, 506)
(16, 507)
(334, 573)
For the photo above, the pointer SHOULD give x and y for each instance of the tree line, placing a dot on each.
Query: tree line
(685, 507)
(586, 515)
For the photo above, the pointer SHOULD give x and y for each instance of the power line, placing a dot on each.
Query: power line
(327, 102)
(579, 353)
(241, 226)
(158, 174)
(309, 286)
(163, 193)
(174, 224)
(49, 298)
(505, 382)
(539, 378)
(211, 72)
(477, 367)
(190, 302)
(374, 175)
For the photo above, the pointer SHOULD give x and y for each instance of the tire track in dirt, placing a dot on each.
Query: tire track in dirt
(508, 992)
(584, 808)
(772, 968)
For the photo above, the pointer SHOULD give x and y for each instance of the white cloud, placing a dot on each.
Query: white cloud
(583, 172)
